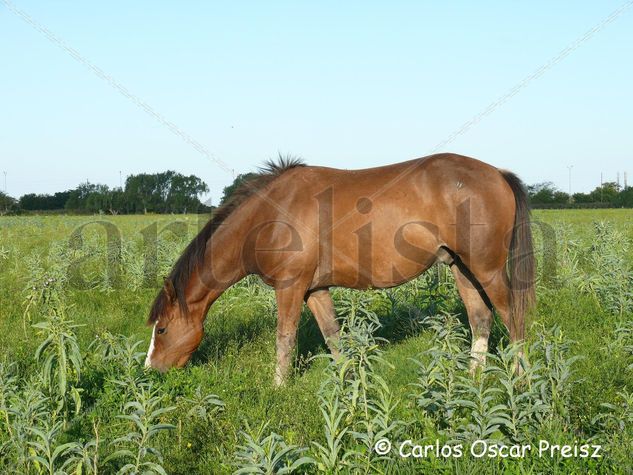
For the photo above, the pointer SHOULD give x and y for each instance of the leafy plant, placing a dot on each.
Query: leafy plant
(487, 416)
(268, 454)
(355, 401)
(27, 410)
(46, 455)
(331, 456)
(203, 406)
(554, 349)
(84, 457)
(144, 414)
(439, 370)
(521, 393)
(60, 357)
(616, 417)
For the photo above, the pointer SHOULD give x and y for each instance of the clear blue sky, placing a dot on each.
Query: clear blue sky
(345, 84)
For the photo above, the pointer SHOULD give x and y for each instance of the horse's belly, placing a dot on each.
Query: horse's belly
(378, 259)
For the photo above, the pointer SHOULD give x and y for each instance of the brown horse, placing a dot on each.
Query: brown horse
(305, 229)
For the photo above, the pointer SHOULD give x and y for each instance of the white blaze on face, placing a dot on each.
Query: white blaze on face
(148, 360)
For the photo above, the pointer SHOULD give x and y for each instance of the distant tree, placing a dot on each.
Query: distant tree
(546, 193)
(8, 204)
(605, 193)
(229, 190)
(140, 192)
(582, 198)
(98, 200)
(183, 193)
(78, 198)
(117, 201)
(60, 198)
(41, 202)
(30, 201)
(167, 192)
(625, 198)
(561, 197)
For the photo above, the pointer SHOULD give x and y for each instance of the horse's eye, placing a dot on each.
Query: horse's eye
(160, 331)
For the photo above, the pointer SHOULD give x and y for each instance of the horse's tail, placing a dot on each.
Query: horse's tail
(521, 264)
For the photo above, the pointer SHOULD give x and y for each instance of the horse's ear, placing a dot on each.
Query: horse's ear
(169, 290)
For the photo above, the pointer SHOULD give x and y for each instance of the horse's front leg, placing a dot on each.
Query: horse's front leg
(289, 302)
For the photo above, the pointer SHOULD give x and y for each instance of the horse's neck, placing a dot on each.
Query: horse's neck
(221, 269)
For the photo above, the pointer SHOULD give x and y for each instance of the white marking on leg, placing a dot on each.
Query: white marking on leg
(519, 366)
(480, 345)
(279, 377)
(478, 352)
(148, 359)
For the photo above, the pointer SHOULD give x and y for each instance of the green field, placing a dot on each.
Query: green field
(82, 403)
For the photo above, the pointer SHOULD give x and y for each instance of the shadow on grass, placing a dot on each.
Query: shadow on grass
(232, 330)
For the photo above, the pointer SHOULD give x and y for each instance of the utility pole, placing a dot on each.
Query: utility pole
(569, 167)
(120, 180)
(5, 181)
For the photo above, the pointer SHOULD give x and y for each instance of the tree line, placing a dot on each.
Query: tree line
(607, 195)
(166, 192)
(171, 192)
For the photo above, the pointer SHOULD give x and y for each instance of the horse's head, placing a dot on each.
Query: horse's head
(175, 335)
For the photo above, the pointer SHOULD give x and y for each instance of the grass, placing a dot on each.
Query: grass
(101, 411)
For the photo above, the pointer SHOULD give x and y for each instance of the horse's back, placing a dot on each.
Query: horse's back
(381, 226)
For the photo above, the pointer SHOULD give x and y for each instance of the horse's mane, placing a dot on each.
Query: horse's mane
(193, 255)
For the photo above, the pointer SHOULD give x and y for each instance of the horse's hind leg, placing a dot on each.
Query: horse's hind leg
(497, 287)
(479, 314)
(320, 304)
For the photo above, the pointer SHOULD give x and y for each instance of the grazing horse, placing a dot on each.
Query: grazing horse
(304, 229)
